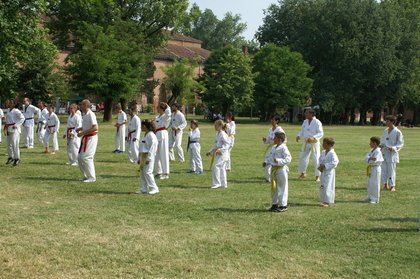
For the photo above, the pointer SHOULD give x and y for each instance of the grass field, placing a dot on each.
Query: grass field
(54, 226)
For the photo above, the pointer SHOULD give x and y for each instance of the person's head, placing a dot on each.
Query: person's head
(72, 108)
(194, 124)
(219, 125)
(279, 137)
(85, 105)
(374, 142)
(11, 103)
(275, 120)
(147, 125)
(309, 114)
(26, 101)
(118, 107)
(390, 120)
(229, 116)
(132, 109)
(161, 107)
(328, 143)
(175, 107)
(50, 108)
(41, 105)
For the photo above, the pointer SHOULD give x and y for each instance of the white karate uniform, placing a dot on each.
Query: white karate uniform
(73, 141)
(162, 122)
(120, 133)
(13, 117)
(327, 188)
(221, 142)
(28, 126)
(42, 120)
(269, 140)
(133, 137)
(393, 140)
(231, 131)
(196, 163)
(1, 118)
(374, 174)
(175, 137)
(308, 130)
(148, 148)
(51, 129)
(88, 147)
(279, 157)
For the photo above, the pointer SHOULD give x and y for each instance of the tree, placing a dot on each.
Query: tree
(27, 55)
(280, 79)
(228, 80)
(180, 81)
(113, 42)
(214, 33)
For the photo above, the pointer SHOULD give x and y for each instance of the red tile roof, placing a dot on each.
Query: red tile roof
(173, 52)
(183, 38)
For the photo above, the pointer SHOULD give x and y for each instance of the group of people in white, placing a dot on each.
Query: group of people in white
(381, 160)
(161, 144)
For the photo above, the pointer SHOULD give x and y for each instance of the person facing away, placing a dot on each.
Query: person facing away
(328, 161)
(374, 160)
(311, 132)
(162, 123)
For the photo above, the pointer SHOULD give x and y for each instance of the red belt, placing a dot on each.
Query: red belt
(129, 135)
(49, 127)
(85, 138)
(6, 128)
(69, 129)
(160, 129)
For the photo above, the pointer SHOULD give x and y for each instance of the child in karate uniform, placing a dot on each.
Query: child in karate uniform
(219, 151)
(74, 122)
(269, 140)
(230, 131)
(374, 160)
(51, 130)
(196, 164)
(133, 135)
(328, 161)
(148, 147)
(278, 157)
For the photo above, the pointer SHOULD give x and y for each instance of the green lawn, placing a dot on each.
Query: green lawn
(53, 226)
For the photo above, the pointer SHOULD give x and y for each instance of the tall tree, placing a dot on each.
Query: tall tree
(112, 42)
(281, 80)
(228, 80)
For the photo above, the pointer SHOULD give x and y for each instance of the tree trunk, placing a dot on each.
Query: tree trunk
(108, 110)
(352, 116)
(123, 103)
(362, 120)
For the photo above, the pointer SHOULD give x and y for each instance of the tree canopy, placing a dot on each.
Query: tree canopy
(228, 80)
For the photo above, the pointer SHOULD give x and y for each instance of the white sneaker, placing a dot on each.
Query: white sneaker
(74, 164)
(30, 147)
(163, 177)
(216, 186)
(89, 180)
(153, 192)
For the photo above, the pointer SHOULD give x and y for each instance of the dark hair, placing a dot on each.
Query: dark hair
(163, 105)
(280, 135)
(376, 140)
(178, 106)
(391, 118)
(195, 122)
(310, 110)
(277, 118)
(230, 115)
(329, 141)
(149, 124)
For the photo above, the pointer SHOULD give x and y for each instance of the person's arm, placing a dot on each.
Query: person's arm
(183, 122)
(319, 133)
(330, 164)
(300, 134)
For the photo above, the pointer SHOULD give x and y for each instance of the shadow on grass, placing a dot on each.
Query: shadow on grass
(40, 179)
(179, 186)
(44, 163)
(397, 219)
(111, 192)
(390, 230)
(351, 188)
(303, 204)
(237, 210)
(117, 176)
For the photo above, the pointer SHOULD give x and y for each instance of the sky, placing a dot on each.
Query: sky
(251, 11)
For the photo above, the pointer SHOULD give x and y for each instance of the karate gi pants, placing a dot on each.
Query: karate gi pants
(228, 163)
(73, 145)
(175, 142)
(162, 155)
(120, 138)
(133, 151)
(28, 133)
(389, 173)
(12, 143)
(54, 140)
(85, 158)
(147, 181)
(307, 149)
(196, 163)
(327, 188)
(218, 169)
(281, 194)
(41, 133)
(374, 184)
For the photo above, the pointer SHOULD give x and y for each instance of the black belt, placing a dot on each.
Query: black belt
(29, 118)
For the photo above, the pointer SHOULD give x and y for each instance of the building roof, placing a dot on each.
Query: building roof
(183, 38)
(174, 52)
